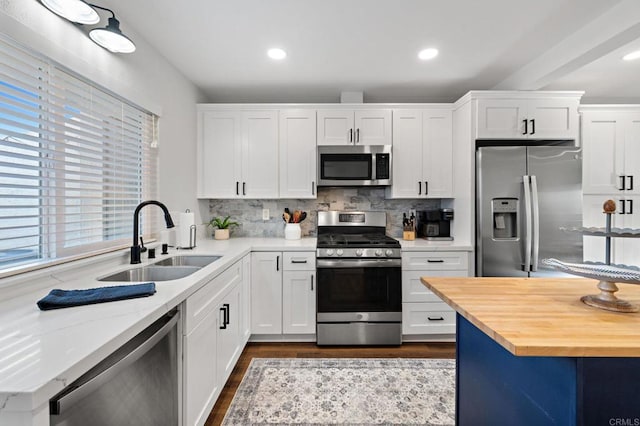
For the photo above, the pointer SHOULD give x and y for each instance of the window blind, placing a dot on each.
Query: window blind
(75, 161)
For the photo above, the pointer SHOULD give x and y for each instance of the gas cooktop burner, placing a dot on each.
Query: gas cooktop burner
(356, 240)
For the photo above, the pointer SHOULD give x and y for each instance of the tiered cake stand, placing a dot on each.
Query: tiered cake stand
(606, 273)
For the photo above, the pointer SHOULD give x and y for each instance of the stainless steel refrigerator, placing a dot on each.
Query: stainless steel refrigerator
(524, 196)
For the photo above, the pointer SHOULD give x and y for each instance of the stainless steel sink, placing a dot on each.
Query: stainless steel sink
(188, 260)
(151, 273)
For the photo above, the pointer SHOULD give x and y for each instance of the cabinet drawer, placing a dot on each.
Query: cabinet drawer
(428, 318)
(299, 261)
(414, 291)
(203, 301)
(441, 260)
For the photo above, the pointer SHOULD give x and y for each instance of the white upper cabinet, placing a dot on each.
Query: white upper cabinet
(437, 153)
(354, 127)
(522, 118)
(237, 154)
(422, 153)
(298, 153)
(219, 153)
(611, 149)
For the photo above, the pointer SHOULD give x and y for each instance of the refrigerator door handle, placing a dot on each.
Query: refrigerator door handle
(528, 224)
(536, 223)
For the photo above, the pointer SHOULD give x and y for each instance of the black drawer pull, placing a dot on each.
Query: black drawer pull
(435, 318)
(622, 182)
(225, 317)
(298, 261)
(435, 261)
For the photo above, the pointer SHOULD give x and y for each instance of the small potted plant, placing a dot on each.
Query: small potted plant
(222, 225)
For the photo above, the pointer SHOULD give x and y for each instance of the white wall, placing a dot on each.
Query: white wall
(144, 78)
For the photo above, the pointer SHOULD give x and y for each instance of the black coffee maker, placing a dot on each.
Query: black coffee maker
(435, 224)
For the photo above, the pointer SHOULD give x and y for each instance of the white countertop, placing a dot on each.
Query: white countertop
(43, 351)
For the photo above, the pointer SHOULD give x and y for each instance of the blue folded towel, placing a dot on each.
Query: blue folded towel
(57, 298)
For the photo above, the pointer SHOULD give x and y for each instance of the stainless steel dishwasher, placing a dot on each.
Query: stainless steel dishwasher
(135, 385)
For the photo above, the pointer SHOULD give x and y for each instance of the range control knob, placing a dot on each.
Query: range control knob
(389, 252)
(359, 252)
(329, 252)
(378, 252)
(339, 252)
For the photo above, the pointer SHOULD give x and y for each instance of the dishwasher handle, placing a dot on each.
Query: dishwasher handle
(103, 375)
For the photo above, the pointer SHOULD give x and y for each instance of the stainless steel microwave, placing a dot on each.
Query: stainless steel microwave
(350, 165)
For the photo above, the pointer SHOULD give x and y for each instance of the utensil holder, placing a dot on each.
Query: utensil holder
(409, 235)
(292, 231)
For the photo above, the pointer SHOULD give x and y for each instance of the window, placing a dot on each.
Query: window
(75, 161)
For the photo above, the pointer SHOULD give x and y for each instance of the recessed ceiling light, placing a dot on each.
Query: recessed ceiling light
(277, 53)
(427, 54)
(631, 56)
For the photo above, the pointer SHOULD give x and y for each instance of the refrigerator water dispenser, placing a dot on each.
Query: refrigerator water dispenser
(505, 218)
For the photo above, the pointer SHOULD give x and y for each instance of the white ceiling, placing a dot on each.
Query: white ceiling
(372, 45)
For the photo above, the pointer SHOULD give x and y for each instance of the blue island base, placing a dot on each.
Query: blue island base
(495, 387)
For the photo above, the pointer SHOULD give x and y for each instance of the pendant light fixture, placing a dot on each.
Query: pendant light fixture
(111, 38)
(76, 11)
(81, 12)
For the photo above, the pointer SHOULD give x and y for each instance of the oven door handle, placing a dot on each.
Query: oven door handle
(358, 263)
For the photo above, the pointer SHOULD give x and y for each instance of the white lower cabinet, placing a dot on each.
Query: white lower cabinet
(245, 297)
(266, 293)
(212, 341)
(283, 293)
(200, 379)
(425, 315)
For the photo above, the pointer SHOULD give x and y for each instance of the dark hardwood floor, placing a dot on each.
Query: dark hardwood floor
(311, 350)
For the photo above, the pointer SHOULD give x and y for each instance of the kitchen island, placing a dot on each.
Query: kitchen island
(529, 352)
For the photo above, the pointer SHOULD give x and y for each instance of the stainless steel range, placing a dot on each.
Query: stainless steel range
(359, 285)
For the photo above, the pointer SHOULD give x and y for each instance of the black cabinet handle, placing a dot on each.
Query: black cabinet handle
(313, 188)
(419, 188)
(311, 282)
(624, 205)
(298, 261)
(244, 188)
(224, 316)
(237, 188)
(435, 261)
(435, 318)
(350, 135)
(357, 135)
(277, 263)
(630, 206)
(630, 188)
(533, 127)
(426, 187)
(525, 127)
(622, 183)
(226, 313)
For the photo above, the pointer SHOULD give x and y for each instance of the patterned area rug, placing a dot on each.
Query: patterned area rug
(354, 391)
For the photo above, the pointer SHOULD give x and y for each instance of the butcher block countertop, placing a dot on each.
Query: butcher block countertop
(543, 316)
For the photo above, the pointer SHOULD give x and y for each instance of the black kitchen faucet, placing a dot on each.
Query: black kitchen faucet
(135, 248)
